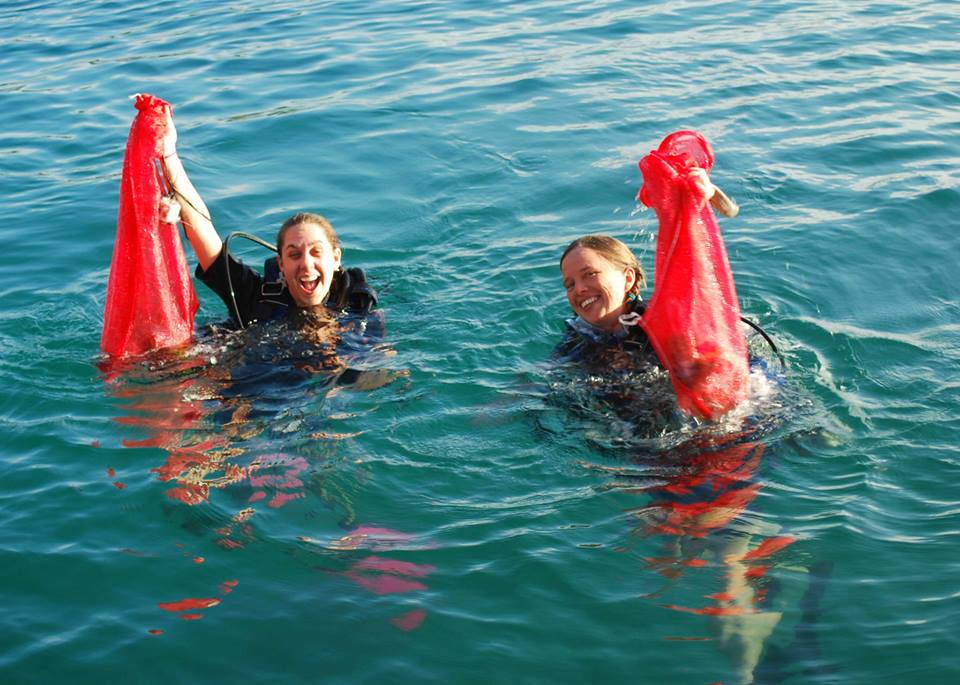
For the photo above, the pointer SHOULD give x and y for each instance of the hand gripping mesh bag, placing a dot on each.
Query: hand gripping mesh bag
(150, 302)
(693, 317)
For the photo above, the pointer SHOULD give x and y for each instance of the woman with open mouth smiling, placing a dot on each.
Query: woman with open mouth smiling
(305, 277)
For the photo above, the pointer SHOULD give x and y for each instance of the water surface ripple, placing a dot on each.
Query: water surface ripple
(464, 512)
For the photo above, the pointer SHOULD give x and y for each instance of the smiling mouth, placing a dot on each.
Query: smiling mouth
(587, 302)
(309, 285)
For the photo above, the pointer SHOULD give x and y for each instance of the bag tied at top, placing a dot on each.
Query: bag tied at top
(150, 302)
(693, 316)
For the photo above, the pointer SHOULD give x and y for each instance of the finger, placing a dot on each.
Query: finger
(699, 176)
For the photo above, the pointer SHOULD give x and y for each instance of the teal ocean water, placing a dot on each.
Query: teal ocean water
(221, 517)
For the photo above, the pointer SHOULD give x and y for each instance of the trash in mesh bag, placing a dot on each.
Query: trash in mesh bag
(693, 317)
(151, 302)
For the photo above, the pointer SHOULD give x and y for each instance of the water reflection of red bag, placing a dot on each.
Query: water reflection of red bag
(151, 302)
(693, 317)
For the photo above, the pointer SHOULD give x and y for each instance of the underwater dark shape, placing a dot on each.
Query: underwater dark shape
(151, 302)
(693, 317)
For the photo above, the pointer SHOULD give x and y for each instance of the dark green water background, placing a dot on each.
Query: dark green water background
(455, 526)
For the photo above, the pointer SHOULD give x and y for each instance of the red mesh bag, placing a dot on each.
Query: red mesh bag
(151, 302)
(693, 317)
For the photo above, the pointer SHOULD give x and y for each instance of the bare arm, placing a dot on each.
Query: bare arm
(194, 214)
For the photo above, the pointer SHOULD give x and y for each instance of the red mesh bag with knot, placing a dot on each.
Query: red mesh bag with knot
(693, 317)
(150, 302)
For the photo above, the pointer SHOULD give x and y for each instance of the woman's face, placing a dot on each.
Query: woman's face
(596, 288)
(308, 262)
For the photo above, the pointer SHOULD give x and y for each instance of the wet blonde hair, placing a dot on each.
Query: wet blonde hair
(615, 252)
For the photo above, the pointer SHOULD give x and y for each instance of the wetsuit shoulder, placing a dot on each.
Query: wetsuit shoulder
(235, 283)
(351, 293)
(571, 347)
(248, 295)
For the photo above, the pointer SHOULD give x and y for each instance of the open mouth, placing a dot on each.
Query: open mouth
(587, 302)
(309, 285)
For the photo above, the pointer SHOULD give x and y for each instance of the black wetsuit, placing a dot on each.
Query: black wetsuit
(628, 348)
(266, 298)
(614, 373)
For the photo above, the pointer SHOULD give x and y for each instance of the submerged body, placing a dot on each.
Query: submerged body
(613, 374)
(698, 478)
(618, 374)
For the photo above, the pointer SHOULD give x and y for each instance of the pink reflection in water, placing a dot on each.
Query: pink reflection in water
(384, 585)
(380, 575)
(410, 620)
(395, 566)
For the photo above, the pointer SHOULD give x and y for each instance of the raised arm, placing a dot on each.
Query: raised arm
(194, 214)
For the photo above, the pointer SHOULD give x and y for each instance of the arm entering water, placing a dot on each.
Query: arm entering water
(194, 214)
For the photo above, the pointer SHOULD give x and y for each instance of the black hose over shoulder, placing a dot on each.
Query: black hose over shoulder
(766, 337)
(225, 255)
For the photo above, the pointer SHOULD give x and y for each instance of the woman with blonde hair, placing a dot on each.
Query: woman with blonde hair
(603, 278)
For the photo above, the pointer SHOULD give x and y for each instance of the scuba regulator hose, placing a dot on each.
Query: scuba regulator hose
(766, 337)
(225, 255)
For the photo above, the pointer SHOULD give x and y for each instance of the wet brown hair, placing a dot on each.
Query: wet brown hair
(615, 252)
(308, 218)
